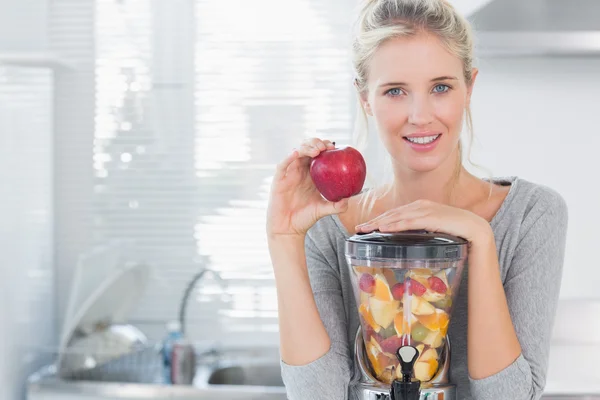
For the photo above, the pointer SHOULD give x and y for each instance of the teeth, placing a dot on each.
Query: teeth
(423, 140)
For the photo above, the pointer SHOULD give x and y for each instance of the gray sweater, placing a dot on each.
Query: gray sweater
(530, 231)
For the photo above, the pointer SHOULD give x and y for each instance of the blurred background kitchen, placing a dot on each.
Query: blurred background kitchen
(137, 143)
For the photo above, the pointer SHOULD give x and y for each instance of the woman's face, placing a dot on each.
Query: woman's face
(417, 95)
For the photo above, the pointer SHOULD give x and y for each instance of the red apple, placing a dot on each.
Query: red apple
(339, 173)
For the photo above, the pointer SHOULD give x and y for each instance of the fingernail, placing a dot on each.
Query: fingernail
(333, 143)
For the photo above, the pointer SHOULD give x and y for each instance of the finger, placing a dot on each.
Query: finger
(379, 218)
(327, 207)
(283, 166)
(330, 145)
(408, 224)
(398, 216)
(307, 150)
(397, 212)
(318, 143)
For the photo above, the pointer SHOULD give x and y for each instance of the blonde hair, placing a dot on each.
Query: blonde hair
(382, 20)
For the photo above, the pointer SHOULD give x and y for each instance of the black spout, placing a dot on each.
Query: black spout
(407, 388)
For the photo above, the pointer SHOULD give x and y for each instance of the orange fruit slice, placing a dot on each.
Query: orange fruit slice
(425, 370)
(366, 314)
(364, 270)
(426, 272)
(382, 290)
(434, 322)
(399, 323)
(372, 354)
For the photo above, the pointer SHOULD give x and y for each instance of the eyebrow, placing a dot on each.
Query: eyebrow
(439, 78)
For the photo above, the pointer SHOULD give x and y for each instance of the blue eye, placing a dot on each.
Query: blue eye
(394, 92)
(441, 88)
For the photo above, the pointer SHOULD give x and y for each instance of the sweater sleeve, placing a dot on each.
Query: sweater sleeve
(532, 287)
(327, 377)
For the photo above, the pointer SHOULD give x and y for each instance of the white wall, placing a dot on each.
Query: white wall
(23, 25)
(538, 119)
(27, 328)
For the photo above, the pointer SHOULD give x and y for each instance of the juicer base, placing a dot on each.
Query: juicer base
(439, 392)
(370, 388)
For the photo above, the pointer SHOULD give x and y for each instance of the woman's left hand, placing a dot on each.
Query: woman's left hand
(433, 217)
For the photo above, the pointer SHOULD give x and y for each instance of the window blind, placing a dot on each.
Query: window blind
(196, 102)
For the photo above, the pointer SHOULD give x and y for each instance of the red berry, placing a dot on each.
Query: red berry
(391, 344)
(437, 285)
(366, 283)
(415, 287)
(398, 291)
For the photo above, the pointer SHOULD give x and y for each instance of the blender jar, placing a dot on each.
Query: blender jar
(404, 285)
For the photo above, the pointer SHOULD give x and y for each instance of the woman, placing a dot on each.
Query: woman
(413, 61)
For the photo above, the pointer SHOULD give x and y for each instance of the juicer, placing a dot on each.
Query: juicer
(405, 284)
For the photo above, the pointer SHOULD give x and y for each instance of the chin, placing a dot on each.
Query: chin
(423, 166)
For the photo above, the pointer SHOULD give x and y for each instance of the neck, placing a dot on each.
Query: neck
(446, 184)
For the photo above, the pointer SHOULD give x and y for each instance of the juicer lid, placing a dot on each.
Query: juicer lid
(408, 245)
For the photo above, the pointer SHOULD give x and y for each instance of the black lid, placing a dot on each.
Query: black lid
(409, 245)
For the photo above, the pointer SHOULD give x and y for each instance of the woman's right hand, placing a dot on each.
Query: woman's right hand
(295, 203)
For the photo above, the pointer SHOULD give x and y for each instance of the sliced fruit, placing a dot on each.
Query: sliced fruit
(364, 298)
(425, 272)
(420, 348)
(437, 284)
(383, 312)
(401, 325)
(388, 332)
(375, 345)
(436, 321)
(425, 370)
(387, 376)
(381, 363)
(432, 296)
(419, 333)
(371, 334)
(398, 291)
(372, 354)
(415, 287)
(366, 283)
(429, 354)
(445, 302)
(390, 275)
(382, 289)
(368, 317)
(419, 306)
(391, 344)
(434, 339)
(364, 269)
(442, 275)
(420, 275)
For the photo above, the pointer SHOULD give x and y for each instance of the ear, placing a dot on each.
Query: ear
(366, 105)
(470, 88)
(364, 99)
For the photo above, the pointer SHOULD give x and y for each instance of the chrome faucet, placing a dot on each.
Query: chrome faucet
(190, 288)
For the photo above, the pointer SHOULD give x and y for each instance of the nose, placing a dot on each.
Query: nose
(421, 111)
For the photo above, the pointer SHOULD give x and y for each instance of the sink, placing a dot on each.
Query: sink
(243, 373)
(253, 375)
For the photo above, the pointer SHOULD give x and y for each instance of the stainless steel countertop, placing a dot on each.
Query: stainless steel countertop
(49, 385)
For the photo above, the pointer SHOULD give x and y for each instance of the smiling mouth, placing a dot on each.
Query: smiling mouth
(422, 139)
